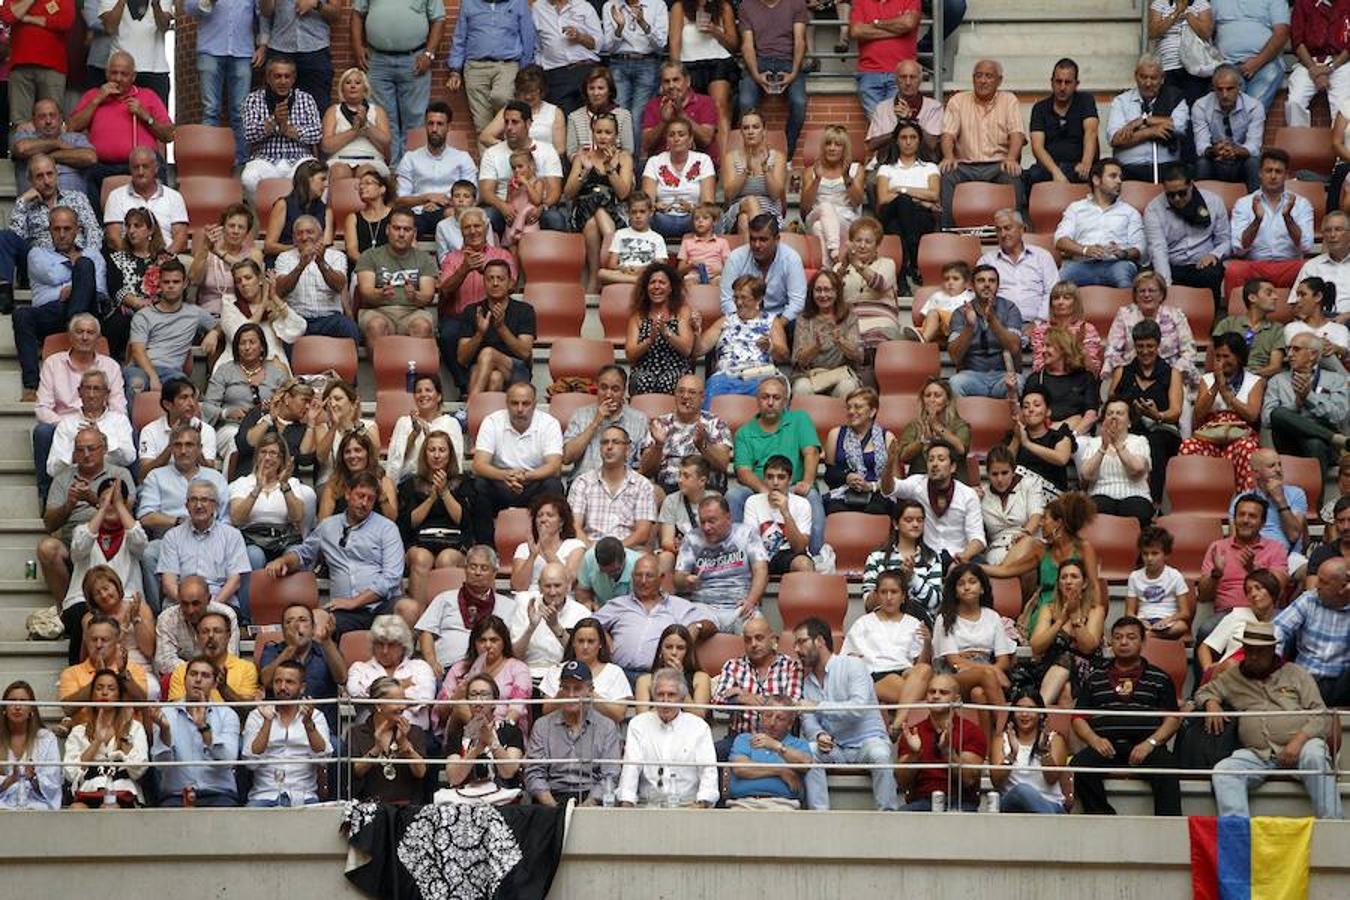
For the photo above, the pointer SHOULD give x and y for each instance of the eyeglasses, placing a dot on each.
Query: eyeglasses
(1178, 195)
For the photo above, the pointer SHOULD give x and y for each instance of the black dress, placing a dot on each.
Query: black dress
(1164, 440)
(594, 193)
(371, 234)
(1070, 394)
(1057, 476)
(439, 530)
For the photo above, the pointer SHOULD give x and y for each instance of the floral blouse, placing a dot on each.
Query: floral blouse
(1177, 348)
(1088, 339)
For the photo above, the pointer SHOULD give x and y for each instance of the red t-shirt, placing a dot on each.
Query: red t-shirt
(698, 108)
(882, 54)
(966, 737)
(41, 45)
(114, 131)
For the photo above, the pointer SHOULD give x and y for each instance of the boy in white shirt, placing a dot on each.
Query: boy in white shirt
(782, 518)
(956, 293)
(1157, 593)
(634, 248)
(679, 511)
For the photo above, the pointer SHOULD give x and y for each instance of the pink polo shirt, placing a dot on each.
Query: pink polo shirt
(1229, 594)
(114, 131)
(471, 289)
(58, 392)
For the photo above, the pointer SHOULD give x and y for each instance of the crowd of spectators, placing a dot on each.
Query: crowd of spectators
(653, 538)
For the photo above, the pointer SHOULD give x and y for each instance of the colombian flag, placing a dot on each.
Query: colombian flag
(1234, 858)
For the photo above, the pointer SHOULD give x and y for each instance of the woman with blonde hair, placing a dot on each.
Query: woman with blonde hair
(833, 190)
(937, 421)
(29, 778)
(270, 507)
(355, 130)
(856, 454)
(1071, 390)
(870, 283)
(1066, 312)
(341, 416)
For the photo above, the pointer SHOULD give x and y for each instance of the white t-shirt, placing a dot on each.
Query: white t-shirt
(610, 684)
(155, 437)
(638, 248)
(884, 644)
(1226, 638)
(141, 38)
(565, 551)
(983, 634)
(496, 164)
(769, 522)
(510, 449)
(545, 650)
(270, 507)
(941, 301)
(673, 184)
(1157, 596)
(915, 176)
(166, 204)
(399, 464)
(1335, 332)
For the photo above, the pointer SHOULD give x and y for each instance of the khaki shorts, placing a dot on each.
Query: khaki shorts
(398, 317)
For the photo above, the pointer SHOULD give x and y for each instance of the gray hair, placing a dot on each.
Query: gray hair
(392, 629)
(183, 428)
(1011, 213)
(192, 582)
(38, 158)
(472, 211)
(143, 150)
(306, 220)
(131, 60)
(483, 550)
(102, 438)
(94, 375)
(1147, 60)
(203, 483)
(1227, 69)
(675, 677)
(998, 66)
(81, 319)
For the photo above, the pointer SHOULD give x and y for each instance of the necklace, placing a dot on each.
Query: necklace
(252, 373)
(371, 230)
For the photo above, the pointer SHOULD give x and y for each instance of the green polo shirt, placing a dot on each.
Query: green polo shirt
(794, 434)
(1266, 340)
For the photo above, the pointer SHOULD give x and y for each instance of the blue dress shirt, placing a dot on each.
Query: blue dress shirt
(227, 29)
(49, 272)
(847, 681)
(363, 557)
(189, 745)
(784, 282)
(501, 30)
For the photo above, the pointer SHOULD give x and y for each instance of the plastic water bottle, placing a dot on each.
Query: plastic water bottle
(23, 789)
(411, 377)
(658, 798)
(607, 793)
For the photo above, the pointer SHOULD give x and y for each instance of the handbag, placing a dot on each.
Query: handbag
(1198, 56)
(436, 539)
(822, 380)
(272, 540)
(45, 624)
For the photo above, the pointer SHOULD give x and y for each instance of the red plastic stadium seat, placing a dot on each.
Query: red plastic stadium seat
(552, 256)
(1192, 534)
(1315, 192)
(203, 150)
(805, 594)
(975, 202)
(268, 596)
(1100, 305)
(446, 578)
(1200, 484)
(939, 248)
(707, 300)
(56, 343)
(990, 421)
(1170, 656)
(825, 412)
(895, 411)
(343, 199)
(716, 650)
(390, 406)
(653, 404)
(145, 409)
(921, 295)
(110, 184)
(1115, 539)
(513, 529)
(1198, 305)
(890, 248)
(356, 646)
(559, 308)
(479, 405)
(1140, 194)
(1048, 200)
(269, 191)
(902, 366)
(1229, 191)
(315, 354)
(1304, 472)
(390, 355)
(416, 137)
(575, 357)
(1308, 148)
(563, 406)
(854, 535)
(734, 409)
(616, 304)
(207, 196)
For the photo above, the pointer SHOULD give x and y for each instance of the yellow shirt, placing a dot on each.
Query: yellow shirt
(240, 674)
(77, 677)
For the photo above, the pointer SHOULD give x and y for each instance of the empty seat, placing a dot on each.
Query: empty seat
(1229, 191)
(1116, 539)
(825, 412)
(854, 535)
(390, 406)
(314, 354)
(269, 191)
(559, 308)
(203, 150)
(990, 421)
(1308, 148)
(653, 404)
(513, 529)
(1192, 533)
(1200, 484)
(734, 409)
(343, 199)
(268, 597)
(145, 409)
(552, 256)
(1198, 305)
(716, 650)
(939, 248)
(479, 405)
(805, 594)
(1048, 200)
(391, 354)
(895, 411)
(1170, 656)
(902, 366)
(563, 406)
(616, 304)
(1100, 305)
(207, 196)
(356, 646)
(1304, 472)
(975, 202)
(575, 357)
(1140, 194)
(807, 247)
(56, 343)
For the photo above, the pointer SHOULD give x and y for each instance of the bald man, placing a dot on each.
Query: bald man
(908, 103)
(1318, 625)
(46, 133)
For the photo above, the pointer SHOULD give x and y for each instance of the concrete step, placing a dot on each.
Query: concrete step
(1046, 40)
(1052, 10)
(37, 662)
(18, 499)
(1030, 72)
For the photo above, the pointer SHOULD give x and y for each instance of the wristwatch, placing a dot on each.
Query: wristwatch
(905, 191)
(1151, 742)
(431, 57)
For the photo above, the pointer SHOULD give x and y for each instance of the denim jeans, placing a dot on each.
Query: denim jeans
(672, 225)
(1244, 770)
(34, 324)
(1023, 798)
(968, 383)
(953, 14)
(138, 381)
(796, 96)
(12, 248)
(1266, 83)
(873, 750)
(221, 76)
(874, 89)
(1116, 273)
(737, 494)
(401, 94)
(43, 434)
(334, 325)
(283, 800)
(635, 82)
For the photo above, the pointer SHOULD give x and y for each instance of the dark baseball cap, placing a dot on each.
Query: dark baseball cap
(576, 670)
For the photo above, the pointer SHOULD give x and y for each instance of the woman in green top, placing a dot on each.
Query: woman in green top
(1036, 558)
(937, 421)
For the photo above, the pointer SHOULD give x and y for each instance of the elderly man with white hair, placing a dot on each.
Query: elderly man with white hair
(311, 278)
(1026, 273)
(206, 546)
(391, 655)
(542, 619)
(982, 137)
(1147, 122)
(1307, 406)
(669, 758)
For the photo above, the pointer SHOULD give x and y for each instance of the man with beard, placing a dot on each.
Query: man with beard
(307, 639)
(1101, 236)
(1263, 682)
(952, 521)
(294, 732)
(426, 175)
(1147, 123)
(1063, 130)
(494, 172)
(238, 677)
(198, 734)
(1187, 232)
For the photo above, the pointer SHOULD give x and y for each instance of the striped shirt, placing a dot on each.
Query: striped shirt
(1108, 688)
(1321, 635)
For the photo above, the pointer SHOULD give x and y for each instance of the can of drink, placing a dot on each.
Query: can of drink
(30, 570)
(991, 802)
(189, 796)
(939, 801)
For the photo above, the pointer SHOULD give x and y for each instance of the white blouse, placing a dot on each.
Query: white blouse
(985, 634)
(914, 176)
(885, 645)
(401, 463)
(45, 793)
(87, 777)
(679, 185)
(1112, 480)
(270, 507)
